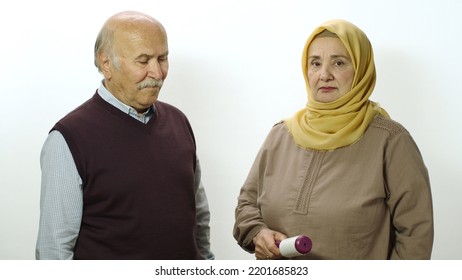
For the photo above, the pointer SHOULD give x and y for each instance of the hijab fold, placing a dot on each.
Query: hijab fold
(331, 125)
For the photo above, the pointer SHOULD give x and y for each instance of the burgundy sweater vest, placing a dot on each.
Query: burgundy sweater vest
(138, 182)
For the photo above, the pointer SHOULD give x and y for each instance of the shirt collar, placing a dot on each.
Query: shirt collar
(110, 98)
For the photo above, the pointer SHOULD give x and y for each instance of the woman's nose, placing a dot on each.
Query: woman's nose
(325, 75)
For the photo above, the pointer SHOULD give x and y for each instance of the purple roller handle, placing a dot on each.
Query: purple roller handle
(303, 244)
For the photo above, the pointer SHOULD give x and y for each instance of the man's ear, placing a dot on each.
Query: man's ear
(105, 65)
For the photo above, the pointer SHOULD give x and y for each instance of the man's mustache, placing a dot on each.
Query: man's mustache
(150, 84)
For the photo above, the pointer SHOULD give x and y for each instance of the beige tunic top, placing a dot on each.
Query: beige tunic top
(369, 200)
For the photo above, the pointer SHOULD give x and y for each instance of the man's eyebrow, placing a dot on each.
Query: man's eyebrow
(148, 56)
(143, 55)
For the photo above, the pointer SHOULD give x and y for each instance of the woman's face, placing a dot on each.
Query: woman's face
(330, 71)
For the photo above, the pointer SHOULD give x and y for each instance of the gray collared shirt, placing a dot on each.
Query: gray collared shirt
(61, 199)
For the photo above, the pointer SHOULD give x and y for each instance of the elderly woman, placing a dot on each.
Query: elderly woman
(340, 170)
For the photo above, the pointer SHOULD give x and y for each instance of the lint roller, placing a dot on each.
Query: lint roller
(295, 246)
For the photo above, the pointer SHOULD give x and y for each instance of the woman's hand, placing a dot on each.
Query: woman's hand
(265, 244)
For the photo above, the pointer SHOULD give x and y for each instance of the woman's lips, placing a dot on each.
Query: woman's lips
(325, 89)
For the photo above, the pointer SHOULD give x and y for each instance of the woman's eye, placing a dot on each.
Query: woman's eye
(339, 63)
(315, 63)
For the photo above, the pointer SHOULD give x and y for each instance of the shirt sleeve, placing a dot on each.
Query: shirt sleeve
(248, 219)
(202, 217)
(61, 201)
(409, 199)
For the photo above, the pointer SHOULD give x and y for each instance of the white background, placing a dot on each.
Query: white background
(235, 70)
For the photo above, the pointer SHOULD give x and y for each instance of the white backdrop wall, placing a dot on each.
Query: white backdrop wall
(235, 71)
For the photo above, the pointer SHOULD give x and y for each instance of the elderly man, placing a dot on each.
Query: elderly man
(120, 175)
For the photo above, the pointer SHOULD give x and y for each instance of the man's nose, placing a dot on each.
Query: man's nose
(155, 70)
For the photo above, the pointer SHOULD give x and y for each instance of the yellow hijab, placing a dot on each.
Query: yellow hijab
(328, 126)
